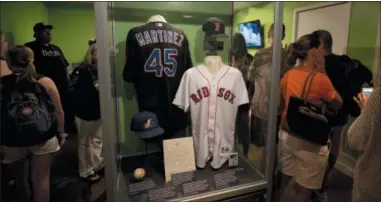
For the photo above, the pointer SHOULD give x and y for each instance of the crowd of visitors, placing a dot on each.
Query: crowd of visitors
(317, 87)
(39, 104)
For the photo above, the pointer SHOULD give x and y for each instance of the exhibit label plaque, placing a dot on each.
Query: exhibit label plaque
(139, 187)
(178, 156)
(227, 178)
(195, 187)
(181, 178)
(162, 193)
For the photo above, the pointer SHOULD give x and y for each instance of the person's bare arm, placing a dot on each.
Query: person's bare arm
(54, 95)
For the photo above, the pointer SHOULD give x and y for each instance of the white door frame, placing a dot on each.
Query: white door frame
(313, 7)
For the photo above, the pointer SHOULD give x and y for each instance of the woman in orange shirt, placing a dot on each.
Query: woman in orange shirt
(299, 159)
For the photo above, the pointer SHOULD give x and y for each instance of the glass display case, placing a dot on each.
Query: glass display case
(137, 168)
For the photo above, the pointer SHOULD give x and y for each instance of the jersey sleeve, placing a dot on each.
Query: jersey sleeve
(240, 88)
(129, 71)
(188, 58)
(182, 95)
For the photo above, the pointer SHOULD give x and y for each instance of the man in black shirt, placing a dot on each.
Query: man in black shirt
(50, 61)
(157, 56)
(347, 76)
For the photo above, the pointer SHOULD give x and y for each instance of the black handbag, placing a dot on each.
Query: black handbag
(306, 120)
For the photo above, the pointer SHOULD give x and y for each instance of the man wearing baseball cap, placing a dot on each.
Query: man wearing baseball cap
(50, 61)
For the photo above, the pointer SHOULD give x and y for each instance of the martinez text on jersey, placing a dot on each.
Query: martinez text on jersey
(159, 36)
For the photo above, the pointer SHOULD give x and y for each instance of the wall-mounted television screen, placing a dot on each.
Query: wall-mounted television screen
(253, 33)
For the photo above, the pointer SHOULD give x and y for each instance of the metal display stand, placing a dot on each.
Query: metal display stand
(274, 97)
(116, 184)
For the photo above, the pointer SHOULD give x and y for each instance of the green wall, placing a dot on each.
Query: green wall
(362, 32)
(19, 28)
(73, 26)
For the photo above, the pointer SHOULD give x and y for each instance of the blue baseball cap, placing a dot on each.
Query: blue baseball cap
(145, 125)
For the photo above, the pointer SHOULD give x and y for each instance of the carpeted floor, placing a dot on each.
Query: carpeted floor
(67, 186)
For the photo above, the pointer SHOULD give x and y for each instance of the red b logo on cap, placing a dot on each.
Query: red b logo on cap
(217, 27)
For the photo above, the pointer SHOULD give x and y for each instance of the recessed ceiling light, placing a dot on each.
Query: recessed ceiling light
(187, 16)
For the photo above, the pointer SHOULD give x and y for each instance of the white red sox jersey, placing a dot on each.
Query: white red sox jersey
(213, 100)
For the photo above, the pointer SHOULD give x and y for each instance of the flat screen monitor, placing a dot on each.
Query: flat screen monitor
(253, 33)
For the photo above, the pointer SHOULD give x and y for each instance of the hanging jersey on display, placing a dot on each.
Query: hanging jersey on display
(157, 56)
(213, 101)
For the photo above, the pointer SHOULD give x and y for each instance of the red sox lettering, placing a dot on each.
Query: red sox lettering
(226, 94)
(203, 92)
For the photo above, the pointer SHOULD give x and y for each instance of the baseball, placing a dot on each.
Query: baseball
(139, 173)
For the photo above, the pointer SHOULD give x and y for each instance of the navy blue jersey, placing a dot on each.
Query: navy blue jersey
(157, 56)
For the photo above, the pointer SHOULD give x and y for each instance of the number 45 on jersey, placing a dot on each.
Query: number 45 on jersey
(162, 61)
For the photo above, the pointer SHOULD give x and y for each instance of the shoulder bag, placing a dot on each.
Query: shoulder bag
(306, 120)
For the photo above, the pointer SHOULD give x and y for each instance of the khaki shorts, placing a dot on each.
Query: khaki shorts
(13, 154)
(302, 160)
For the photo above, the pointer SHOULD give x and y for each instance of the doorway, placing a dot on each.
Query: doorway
(333, 16)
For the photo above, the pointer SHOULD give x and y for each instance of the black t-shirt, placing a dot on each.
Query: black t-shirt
(84, 100)
(157, 56)
(50, 62)
(347, 76)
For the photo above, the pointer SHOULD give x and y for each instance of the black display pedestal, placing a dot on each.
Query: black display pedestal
(205, 184)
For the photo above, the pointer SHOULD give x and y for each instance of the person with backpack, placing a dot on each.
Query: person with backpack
(85, 105)
(32, 125)
(50, 61)
(348, 77)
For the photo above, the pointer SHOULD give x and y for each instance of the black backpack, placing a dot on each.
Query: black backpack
(28, 114)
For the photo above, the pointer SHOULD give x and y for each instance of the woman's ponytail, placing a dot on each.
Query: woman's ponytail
(291, 55)
(29, 73)
(298, 51)
(21, 60)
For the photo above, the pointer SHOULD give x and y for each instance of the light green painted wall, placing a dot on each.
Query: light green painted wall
(18, 19)
(73, 27)
(363, 31)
